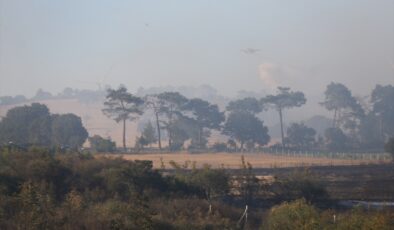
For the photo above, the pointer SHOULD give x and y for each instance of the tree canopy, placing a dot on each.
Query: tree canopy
(284, 99)
(205, 115)
(121, 105)
(100, 144)
(300, 136)
(246, 127)
(248, 104)
(383, 106)
(26, 125)
(338, 98)
(156, 104)
(67, 130)
(34, 125)
(335, 139)
(149, 133)
(172, 105)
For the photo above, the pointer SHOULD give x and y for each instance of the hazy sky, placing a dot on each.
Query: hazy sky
(304, 44)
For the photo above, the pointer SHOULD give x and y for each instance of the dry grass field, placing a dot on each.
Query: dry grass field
(233, 160)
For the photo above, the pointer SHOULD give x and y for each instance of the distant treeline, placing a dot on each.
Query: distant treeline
(356, 123)
(89, 96)
(84, 96)
(187, 123)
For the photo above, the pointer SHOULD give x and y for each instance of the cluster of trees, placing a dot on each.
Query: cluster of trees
(181, 118)
(10, 100)
(34, 125)
(193, 119)
(45, 190)
(356, 124)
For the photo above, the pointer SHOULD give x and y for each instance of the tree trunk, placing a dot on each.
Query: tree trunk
(200, 137)
(209, 202)
(281, 127)
(334, 121)
(169, 129)
(169, 140)
(124, 134)
(158, 129)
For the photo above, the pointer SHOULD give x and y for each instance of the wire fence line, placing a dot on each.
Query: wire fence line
(375, 156)
(372, 156)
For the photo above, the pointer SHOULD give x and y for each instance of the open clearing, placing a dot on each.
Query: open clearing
(233, 160)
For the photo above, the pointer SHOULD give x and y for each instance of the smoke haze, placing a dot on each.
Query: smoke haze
(301, 44)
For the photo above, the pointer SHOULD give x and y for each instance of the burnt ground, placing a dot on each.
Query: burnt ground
(372, 182)
(356, 182)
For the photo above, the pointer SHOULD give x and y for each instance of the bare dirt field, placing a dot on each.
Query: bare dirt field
(233, 160)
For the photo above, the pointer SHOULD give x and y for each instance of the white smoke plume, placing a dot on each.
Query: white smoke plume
(268, 73)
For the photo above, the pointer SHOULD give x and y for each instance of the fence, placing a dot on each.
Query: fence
(372, 156)
(375, 156)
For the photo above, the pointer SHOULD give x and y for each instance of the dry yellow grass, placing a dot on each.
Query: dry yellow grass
(233, 160)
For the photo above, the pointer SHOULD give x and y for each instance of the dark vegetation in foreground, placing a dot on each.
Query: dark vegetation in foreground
(44, 190)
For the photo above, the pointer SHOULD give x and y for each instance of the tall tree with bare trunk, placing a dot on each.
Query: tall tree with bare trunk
(121, 106)
(284, 99)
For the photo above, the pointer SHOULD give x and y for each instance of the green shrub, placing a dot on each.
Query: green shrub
(219, 147)
(300, 184)
(294, 215)
(357, 218)
(100, 144)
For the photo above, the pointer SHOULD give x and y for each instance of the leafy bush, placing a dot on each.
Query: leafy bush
(357, 218)
(99, 144)
(300, 184)
(294, 215)
(219, 147)
(300, 214)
